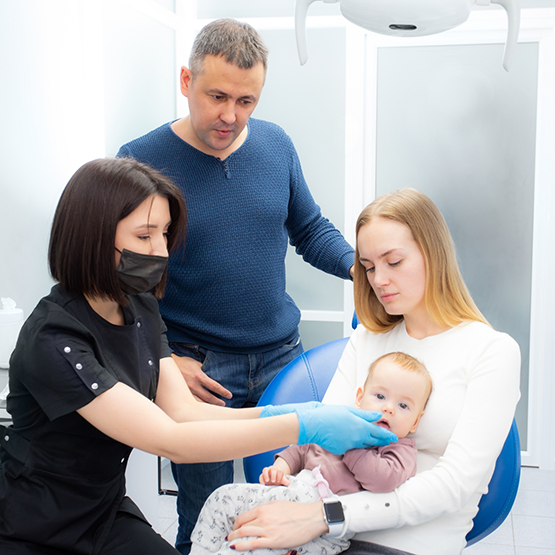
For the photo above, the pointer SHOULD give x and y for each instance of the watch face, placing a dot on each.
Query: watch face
(334, 512)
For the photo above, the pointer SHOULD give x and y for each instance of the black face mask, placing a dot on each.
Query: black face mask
(139, 273)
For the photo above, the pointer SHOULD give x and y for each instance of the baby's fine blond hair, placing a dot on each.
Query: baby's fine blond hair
(407, 362)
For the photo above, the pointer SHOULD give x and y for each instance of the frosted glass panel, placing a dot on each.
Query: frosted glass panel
(139, 74)
(453, 124)
(43, 76)
(317, 333)
(309, 103)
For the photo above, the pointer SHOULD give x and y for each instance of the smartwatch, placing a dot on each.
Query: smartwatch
(334, 516)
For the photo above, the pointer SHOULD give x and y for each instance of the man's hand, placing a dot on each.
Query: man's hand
(199, 383)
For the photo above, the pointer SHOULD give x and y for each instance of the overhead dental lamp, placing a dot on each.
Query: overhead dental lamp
(410, 18)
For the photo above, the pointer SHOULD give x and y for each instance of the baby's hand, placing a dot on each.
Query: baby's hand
(276, 475)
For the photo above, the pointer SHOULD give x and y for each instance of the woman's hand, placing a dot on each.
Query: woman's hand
(326, 426)
(279, 524)
(276, 410)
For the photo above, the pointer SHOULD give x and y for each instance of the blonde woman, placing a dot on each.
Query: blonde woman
(410, 297)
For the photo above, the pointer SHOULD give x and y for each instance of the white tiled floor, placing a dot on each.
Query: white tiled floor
(529, 529)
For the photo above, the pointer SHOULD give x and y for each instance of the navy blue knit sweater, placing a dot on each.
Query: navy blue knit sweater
(227, 293)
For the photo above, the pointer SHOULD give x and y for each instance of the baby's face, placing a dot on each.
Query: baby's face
(399, 394)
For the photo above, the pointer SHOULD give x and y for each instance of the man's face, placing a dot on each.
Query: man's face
(221, 100)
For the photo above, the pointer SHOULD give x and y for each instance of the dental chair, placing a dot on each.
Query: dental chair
(307, 378)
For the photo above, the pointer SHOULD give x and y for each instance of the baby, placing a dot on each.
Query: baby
(398, 386)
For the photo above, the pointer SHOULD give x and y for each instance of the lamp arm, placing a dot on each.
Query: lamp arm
(301, 9)
(512, 7)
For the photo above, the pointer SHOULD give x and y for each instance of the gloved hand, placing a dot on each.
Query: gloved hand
(338, 428)
(276, 410)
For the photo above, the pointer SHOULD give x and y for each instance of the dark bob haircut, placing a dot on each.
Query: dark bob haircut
(100, 194)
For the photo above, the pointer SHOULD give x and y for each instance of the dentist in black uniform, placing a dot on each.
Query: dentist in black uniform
(92, 377)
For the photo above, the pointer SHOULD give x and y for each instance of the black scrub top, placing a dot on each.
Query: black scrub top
(62, 480)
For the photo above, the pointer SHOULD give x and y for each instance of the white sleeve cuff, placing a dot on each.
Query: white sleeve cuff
(370, 511)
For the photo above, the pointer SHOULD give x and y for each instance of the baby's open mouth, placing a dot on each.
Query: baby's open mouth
(383, 423)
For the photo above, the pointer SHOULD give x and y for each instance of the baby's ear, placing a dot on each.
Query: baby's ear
(415, 425)
(360, 393)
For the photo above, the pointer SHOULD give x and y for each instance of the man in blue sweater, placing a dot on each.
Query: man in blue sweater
(231, 325)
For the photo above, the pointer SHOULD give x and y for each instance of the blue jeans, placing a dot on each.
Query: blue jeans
(246, 376)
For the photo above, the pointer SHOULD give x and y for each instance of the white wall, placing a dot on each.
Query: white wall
(43, 135)
(75, 74)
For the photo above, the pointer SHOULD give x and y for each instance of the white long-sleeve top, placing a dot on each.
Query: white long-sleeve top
(476, 376)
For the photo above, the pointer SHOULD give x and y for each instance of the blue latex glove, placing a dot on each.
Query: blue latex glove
(338, 428)
(276, 410)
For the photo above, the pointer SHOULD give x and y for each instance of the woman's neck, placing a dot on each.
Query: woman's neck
(422, 326)
(109, 310)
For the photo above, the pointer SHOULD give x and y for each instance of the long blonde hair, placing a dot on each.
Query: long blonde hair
(446, 296)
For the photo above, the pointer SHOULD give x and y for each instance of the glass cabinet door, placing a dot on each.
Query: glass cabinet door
(453, 124)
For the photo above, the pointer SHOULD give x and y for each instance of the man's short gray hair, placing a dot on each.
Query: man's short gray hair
(239, 43)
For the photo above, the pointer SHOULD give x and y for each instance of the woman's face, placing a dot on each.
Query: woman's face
(144, 231)
(394, 266)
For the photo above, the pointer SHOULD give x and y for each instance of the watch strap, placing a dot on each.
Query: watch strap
(335, 526)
